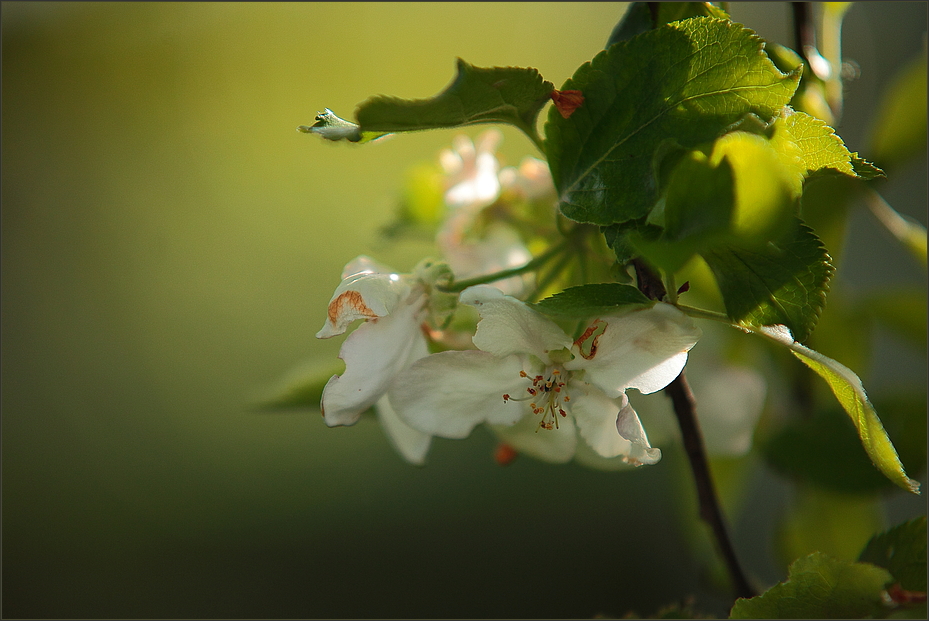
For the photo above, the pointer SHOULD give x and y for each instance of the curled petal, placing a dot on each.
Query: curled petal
(555, 446)
(644, 349)
(449, 393)
(595, 414)
(410, 443)
(509, 326)
(363, 296)
(630, 427)
(364, 264)
(374, 354)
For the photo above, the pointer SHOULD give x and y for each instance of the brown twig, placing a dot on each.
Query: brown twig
(685, 408)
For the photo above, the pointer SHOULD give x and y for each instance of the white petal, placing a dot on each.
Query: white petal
(509, 326)
(410, 443)
(630, 428)
(500, 248)
(644, 349)
(552, 445)
(449, 393)
(595, 415)
(364, 264)
(374, 354)
(363, 296)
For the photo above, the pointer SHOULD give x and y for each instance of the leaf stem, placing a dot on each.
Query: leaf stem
(539, 261)
(700, 313)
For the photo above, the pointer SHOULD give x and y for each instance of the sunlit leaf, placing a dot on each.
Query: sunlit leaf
(709, 74)
(901, 551)
(775, 283)
(592, 300)
(639, 17)
(820, 587)
(848, 390)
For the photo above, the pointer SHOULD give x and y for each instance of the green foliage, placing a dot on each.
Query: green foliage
(334, 128)
(900, 133)
(592, 301)
(710, 74)
(512, 95)
(777, 283)
(851, 395)
(639, 17)
(901, 551)
(820, 587)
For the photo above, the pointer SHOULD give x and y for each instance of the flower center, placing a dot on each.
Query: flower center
(547, 396)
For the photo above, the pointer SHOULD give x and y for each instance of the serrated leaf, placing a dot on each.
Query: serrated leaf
(709, 74)
(848, 390)
(638, 17)
(512, 95)
(901, 551)
(592, 300)
(775, 283)
(820, 587)
(334, 128)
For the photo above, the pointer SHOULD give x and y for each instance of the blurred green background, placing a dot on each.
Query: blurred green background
(169, 244)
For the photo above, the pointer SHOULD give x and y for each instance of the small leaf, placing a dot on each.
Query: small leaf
(848, 390)
(333, 128)
(592, 301)
(812, 146)
(513, 95)
(710, 73)
(776, 283)
(638, 17)
(901, 551)
(820, 587)
(301, 388)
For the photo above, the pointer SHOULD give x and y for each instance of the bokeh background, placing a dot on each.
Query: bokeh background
(169, 244)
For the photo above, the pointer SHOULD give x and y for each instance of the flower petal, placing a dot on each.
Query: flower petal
(555, 446)
(630, 428)
(449, 393)
(644, 349)
(509, 326)
(363, 295)
(595, 414)
(410, 443)
(374, 354)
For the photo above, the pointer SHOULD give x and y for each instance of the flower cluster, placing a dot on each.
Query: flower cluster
(542, 392)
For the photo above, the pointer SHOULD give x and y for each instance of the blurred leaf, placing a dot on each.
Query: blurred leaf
(820, 587)
(331, 127)
(638, 17)
(513, 95)
(901, 551)
(301, 388)
(900, 131)
(832, 523)
(698, 210)
(592, 301)
(777, 283)
(851, 395)
(709, 74)
(908, 232)
(902, 310)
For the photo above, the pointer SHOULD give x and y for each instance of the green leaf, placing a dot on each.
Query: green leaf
(512, 95)
(820, 587)
(638, 17)
(301, 388)
(593, 300)
(900, 131)
(901, 551)
(848, 390)
(685, 82)
(776, 283)
(333, 128)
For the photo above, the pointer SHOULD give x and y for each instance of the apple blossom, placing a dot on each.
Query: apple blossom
(538, 389)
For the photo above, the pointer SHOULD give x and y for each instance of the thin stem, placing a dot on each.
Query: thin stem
(710, 511)
(542, 259)
(700, 313)
(551, 276)
(686, 411)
